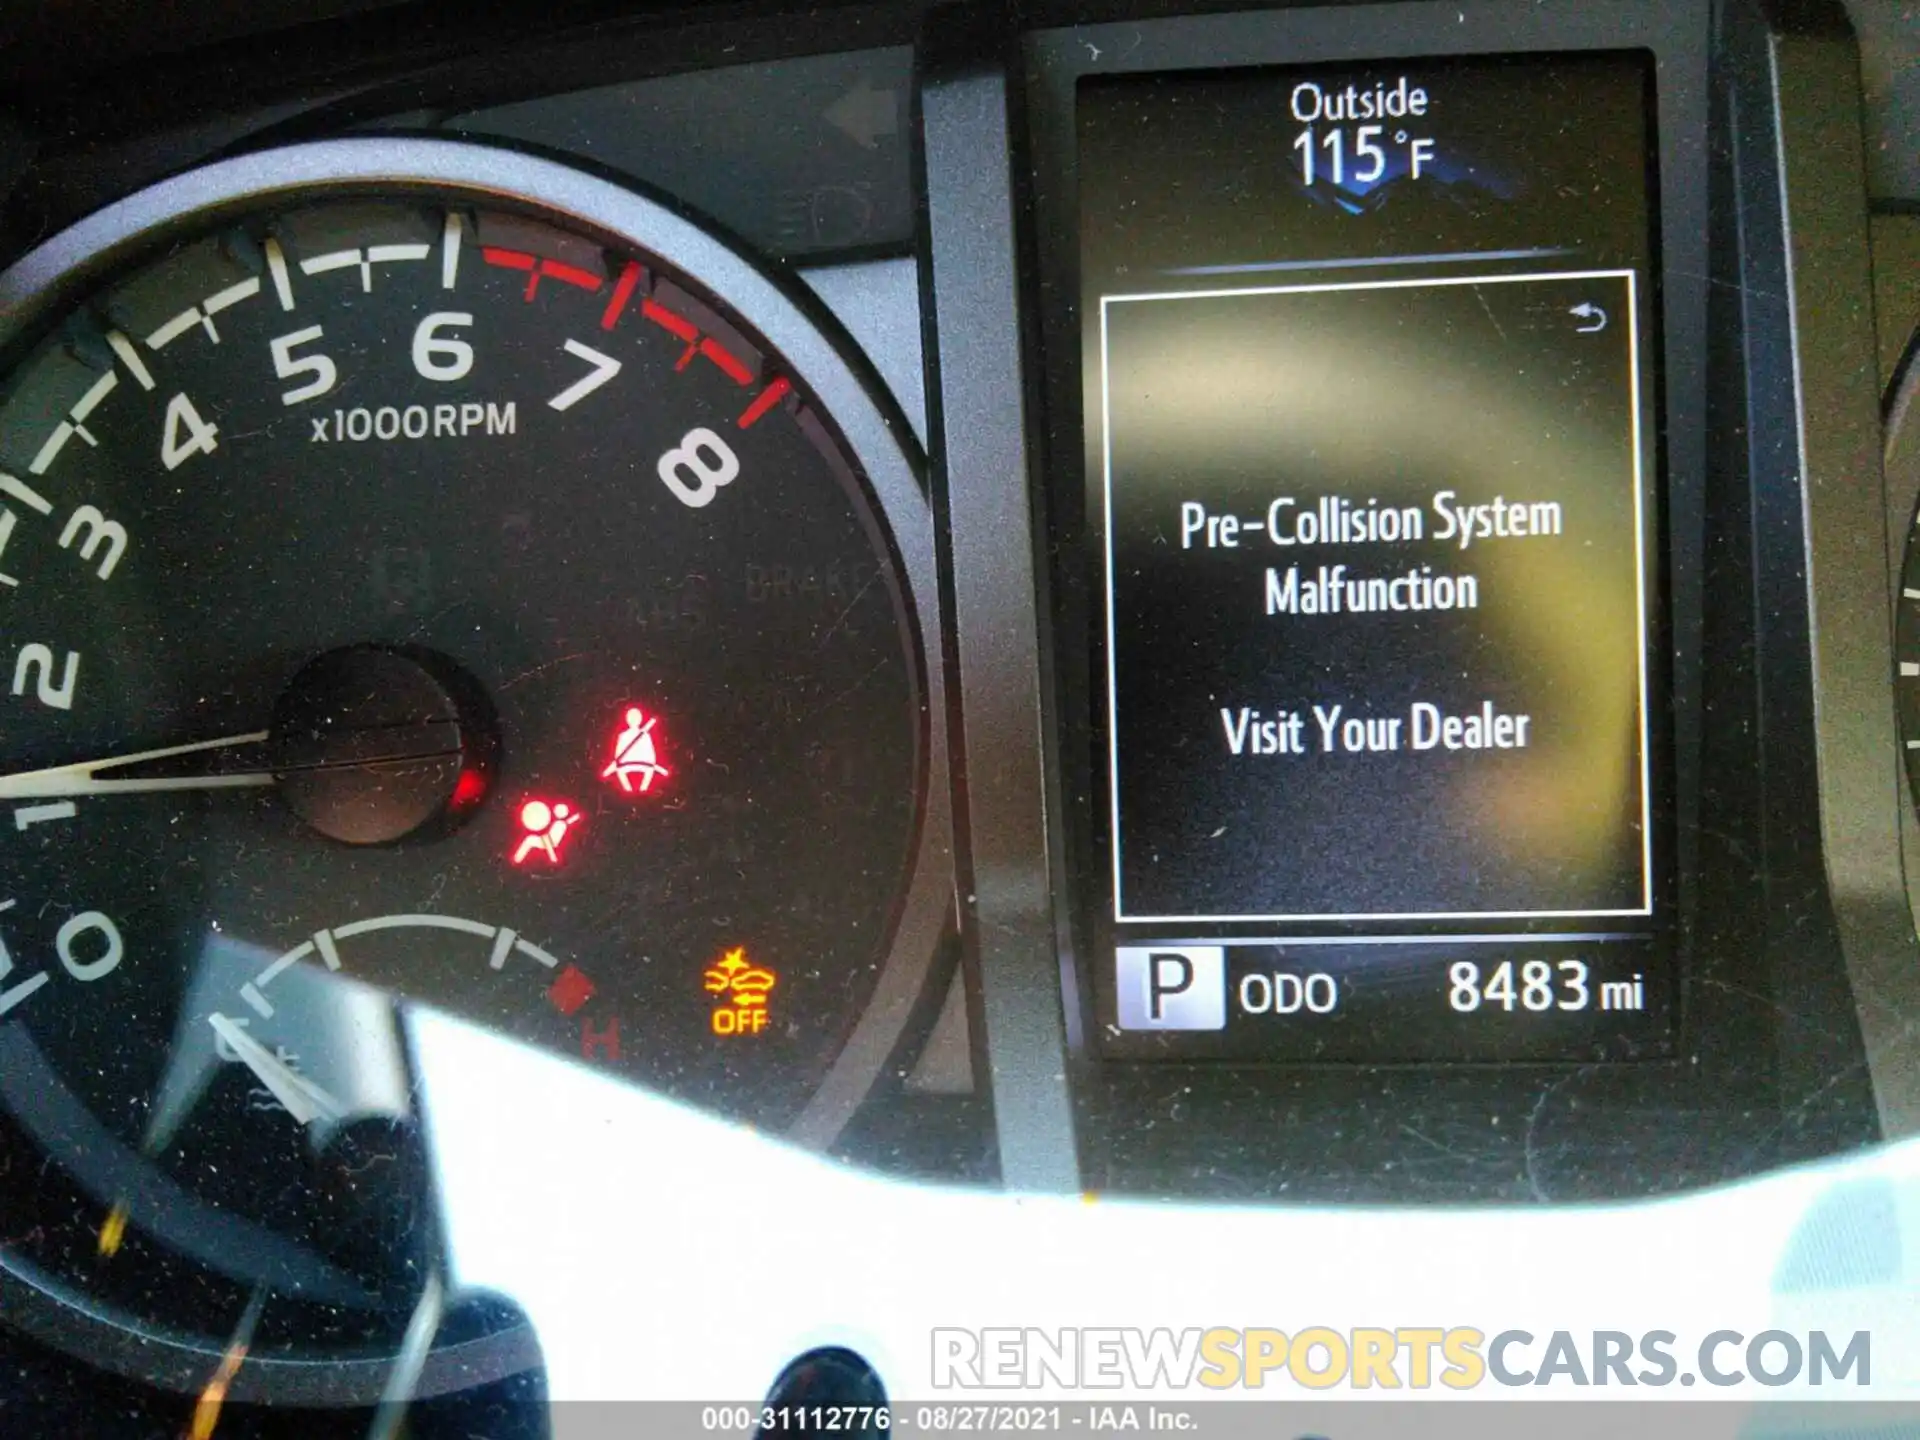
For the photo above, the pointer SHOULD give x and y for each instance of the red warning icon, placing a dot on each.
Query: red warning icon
(546, 826)
(636, 754)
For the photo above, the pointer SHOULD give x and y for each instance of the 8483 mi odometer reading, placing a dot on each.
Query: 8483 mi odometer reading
(346, 535)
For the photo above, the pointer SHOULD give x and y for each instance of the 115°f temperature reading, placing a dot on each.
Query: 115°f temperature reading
(1360, 153)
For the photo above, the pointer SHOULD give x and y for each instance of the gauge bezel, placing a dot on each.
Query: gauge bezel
(1901, 461)
(41, 285)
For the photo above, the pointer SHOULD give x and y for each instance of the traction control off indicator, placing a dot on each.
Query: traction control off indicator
(740, 989)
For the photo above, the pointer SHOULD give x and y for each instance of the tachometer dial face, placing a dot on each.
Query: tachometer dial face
(411, 590)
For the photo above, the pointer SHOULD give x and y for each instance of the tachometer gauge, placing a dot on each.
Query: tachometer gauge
(428, 576)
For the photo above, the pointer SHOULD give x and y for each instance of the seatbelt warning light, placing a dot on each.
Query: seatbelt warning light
(635, 762)
(739, 988)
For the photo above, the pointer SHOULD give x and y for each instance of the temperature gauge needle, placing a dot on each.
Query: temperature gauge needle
(298, 1096)
(96, 777)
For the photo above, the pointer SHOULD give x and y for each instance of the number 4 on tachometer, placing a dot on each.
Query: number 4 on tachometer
(186, 433)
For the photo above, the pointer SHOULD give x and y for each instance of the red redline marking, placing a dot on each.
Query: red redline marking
(538, 269)
(569, 274)
(765, 401)
(515, 260)
(677, 325)
(731, 365)
(622, 293)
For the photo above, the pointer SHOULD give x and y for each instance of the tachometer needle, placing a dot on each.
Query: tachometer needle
(96, 777)
(298, 1096)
